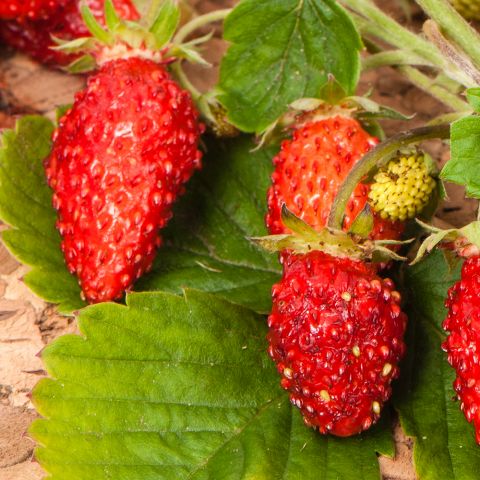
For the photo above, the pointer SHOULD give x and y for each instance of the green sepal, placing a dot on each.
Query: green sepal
(73, 46)
(373, 128)
(102, 35)
(84, 64)
(332, 92)
(363, 223)
(471, 232)
(166, 23)
(111, 17)
(333, 242)
(370, 109)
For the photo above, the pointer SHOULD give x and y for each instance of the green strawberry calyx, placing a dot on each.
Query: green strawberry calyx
(151, 37)
(332, 101)
(337, 243)
(155, 37)
(465, 241)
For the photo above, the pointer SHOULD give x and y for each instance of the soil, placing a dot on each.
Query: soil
(27, 324)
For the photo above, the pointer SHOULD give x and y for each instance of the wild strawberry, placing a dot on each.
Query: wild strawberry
(403, 188)
(29, 9)
(34, 38)
(119, 160)
(311, 167)
(336, 335)
(463, 342)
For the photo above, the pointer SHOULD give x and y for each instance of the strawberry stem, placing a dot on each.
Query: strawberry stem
(454, 26)
(433, 33)
(373, 22)
(447, 94)
(377, 158)
(429, 85)
(200, 22)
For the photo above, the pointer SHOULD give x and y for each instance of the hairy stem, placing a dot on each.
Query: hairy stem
(200, 22)
(377, 158)
(428, 85)
(445, 93)
(393, 58)
(454, 26)
(374, 22)
(450, 51)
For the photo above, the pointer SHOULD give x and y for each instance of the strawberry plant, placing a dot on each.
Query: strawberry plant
(138, 196)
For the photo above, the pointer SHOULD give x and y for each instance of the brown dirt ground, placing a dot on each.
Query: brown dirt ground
(27, 324)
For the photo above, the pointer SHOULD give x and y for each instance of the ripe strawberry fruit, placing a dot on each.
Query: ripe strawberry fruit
(34, 38)
(310, 169)
(336, 336)
(29, 9)
(119, 160)
(463, 342)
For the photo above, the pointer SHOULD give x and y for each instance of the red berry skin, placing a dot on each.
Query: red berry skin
(463, 342)
(34, 38)
(119, 160)
(309, 170)
(29, 9)
(336, 336)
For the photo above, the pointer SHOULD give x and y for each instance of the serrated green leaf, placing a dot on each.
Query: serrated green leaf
(283, 50)
(207, 245)
(462, 168)
(25, 205)
(444, 442)
(174, 387)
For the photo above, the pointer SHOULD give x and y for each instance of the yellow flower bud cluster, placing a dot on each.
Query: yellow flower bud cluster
(469, 9)
(403, 188)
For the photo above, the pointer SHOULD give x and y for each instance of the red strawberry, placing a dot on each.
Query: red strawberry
(309, 170)
(120, 158)
(29, 9)
(35, 37)
(336, 335)
(463, 342)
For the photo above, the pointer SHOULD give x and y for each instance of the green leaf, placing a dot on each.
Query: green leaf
(444, 441)
(25, 205)
(473, 97)
(465, 153)
(174, 387)
(283, 50)
(207, 245)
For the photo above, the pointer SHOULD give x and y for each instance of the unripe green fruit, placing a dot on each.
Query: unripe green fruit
(469, 9)
(403, 188)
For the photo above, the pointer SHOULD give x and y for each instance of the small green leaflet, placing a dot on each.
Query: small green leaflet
(207, 245)
(445, 445)
(180, 387)
(463, 168)
(284, 50)
(25, 205)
